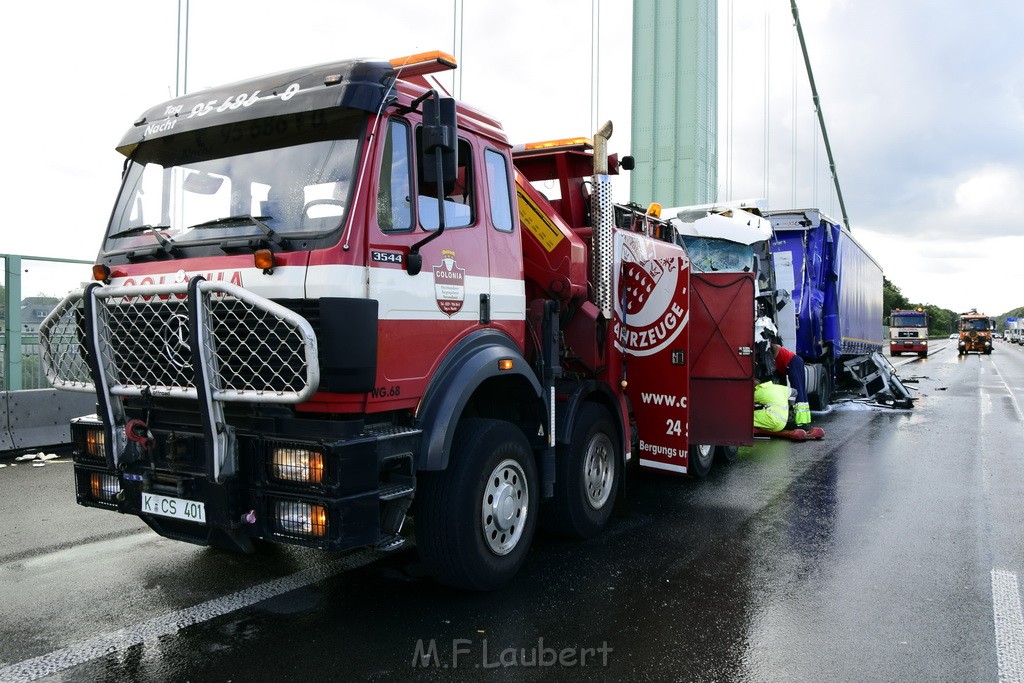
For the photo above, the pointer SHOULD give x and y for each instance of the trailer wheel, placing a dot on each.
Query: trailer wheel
(726, 454)
(586, 476)
(702, 456)
(475, 520)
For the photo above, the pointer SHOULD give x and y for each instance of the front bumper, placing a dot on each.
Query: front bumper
(340, 510)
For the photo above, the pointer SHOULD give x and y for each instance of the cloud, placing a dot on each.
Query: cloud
(989, 188)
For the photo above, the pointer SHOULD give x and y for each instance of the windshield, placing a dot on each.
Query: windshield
(294, 175)
(907, 320)
(977, 324)
(709, 255)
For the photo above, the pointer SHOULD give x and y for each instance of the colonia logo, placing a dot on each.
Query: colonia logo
(651, 305)
(449, 284)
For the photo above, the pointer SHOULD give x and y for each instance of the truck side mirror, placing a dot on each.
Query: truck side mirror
(440, 164)
(440, 136)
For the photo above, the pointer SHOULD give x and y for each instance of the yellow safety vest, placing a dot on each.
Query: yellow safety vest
(771, 403)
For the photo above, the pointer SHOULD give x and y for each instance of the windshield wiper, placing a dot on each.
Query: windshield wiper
(166, 245)
(138, 230)
(253, 220)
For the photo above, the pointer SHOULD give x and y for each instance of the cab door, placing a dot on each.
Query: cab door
(422, 315)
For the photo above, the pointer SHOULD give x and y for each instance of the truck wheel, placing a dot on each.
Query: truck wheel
(475, 520)
(702, 456)
(585, 476)
(726, 454)
(819, 400)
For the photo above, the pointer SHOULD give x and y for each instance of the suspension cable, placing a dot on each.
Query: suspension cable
(821, 115)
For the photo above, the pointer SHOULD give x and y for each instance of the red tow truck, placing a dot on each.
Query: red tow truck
(331, 298)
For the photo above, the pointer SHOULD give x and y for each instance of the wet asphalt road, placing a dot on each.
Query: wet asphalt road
(883, 552)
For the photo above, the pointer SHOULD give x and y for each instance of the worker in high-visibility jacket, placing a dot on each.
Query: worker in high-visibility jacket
(792, 366)
(771, 406)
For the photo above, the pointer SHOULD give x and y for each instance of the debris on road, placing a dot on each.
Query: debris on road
(37, 459)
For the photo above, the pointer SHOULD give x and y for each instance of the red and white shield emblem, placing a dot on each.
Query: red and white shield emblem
(449, 284)
(651, 307)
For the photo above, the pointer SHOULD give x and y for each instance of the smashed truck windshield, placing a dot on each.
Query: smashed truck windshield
(292, 175)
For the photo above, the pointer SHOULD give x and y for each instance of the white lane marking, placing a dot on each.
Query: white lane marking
(171, 623)
(1013, 398)
(1009, 626)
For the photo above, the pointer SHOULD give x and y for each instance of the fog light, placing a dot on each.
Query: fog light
(297, 464)
(94, 442)
(304, 519)
(103, 486)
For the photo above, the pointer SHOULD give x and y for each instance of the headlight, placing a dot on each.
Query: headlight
(103, 486)
(302, 519)
(297, 464)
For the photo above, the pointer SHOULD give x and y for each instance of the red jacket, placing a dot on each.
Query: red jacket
(782, 360)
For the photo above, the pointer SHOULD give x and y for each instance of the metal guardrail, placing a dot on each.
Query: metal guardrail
(21, 370)
(31, 414)
(32, 374)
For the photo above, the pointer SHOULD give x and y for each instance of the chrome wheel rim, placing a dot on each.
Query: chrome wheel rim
(704, 453)
(504, 507)
(598, 470)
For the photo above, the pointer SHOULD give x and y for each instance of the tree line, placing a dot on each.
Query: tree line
(941, 321)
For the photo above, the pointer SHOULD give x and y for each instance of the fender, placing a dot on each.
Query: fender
(473, 361)
(567, 410)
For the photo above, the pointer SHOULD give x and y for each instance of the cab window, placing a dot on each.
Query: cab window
(498, 192)
(394, 193)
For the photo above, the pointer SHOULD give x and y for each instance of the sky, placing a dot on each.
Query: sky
(923, 101)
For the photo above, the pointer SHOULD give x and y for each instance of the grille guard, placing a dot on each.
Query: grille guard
(209, 341)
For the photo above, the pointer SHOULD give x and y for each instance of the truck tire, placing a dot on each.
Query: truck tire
(702, 456)
(586, 476)
(819, 400)
(726, 454)
(475, 520)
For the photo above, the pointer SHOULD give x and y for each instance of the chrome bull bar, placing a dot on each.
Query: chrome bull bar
(209, 341)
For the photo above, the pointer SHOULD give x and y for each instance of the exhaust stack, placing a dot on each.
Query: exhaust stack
(603, 221)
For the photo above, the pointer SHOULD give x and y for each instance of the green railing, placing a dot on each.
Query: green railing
(22, 364)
